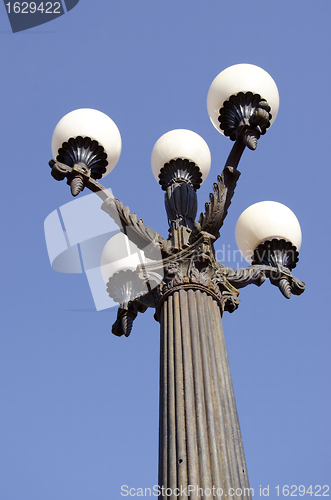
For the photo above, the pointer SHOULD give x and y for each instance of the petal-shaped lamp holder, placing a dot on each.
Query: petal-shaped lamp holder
(247, 114)
(86, 157)
(122, 287)
(277, 253)
(180, 170)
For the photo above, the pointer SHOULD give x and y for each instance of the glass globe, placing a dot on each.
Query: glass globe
(181, 143)
(241, 78)
(91, 123)
(263, 221)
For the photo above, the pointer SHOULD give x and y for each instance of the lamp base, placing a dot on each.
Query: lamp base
(247, 113)
(276, 252)
(180, 170)
(88, 154)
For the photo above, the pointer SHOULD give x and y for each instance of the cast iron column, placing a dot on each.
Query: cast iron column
(200, 441)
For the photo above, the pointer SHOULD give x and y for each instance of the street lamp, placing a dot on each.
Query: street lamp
(200, 445)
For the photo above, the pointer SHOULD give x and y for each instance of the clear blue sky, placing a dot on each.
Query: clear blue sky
(79, 407)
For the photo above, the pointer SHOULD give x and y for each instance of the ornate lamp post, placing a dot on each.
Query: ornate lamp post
(200, 447)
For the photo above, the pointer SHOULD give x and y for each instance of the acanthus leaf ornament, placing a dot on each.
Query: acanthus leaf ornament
(133, 227)
(216, 209)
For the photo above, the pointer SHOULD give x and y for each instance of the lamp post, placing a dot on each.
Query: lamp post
(200, 446)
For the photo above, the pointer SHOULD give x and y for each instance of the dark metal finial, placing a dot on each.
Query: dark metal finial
(285, 287)
(250, 139)
(124, 321)
(77, 185)
(126, 324)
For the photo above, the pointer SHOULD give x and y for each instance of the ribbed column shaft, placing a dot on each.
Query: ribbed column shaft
(200, 441)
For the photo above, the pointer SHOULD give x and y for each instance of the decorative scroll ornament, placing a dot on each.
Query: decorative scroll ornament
(124, 321)
(133, 227)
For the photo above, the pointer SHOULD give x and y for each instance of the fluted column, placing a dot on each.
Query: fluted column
(200, 440)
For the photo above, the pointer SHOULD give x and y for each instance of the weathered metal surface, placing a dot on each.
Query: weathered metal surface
(200, 441)
(84, 156)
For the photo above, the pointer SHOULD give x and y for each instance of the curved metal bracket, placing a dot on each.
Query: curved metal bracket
(216, 209)
(256, 274)
(128, 222)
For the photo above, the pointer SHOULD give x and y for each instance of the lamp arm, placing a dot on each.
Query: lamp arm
(239, 278)
(130, 225)
(256, 274)
(128, 222)
(217, 208)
